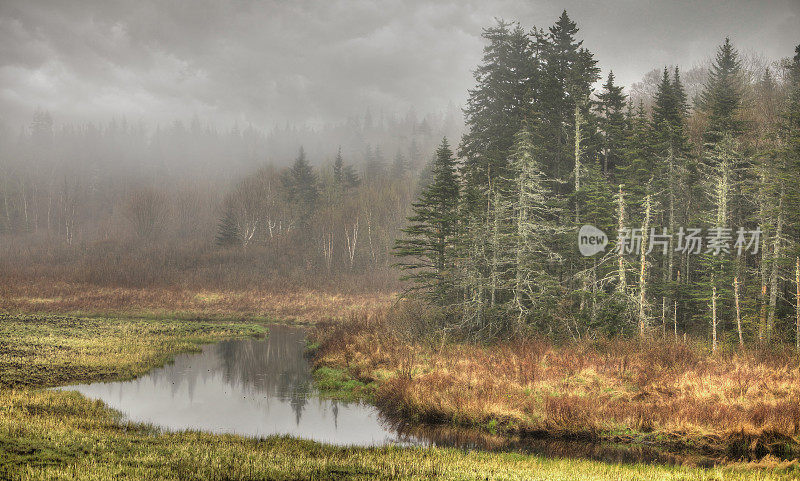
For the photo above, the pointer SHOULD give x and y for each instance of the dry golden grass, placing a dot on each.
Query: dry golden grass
(738, 405)
(301, 305)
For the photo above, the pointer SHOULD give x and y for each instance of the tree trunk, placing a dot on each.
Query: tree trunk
(643, 268)
(773, 278)
(671, 221)
(764, 261)
(675, 309)
(622, 286)
(713, 316)
(578, 121)
(797, 302)
(738, 311)
(495, 273)
(675, 318)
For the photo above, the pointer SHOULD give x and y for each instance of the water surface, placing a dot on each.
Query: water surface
(247, 387)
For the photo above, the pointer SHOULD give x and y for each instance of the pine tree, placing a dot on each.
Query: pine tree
(338, 168)
(400, 166)
(598, 209)
(791, 117)
(351, 178)
(666, 102)
(612, 124)
(721, 98)
(427, 248)
(716, 264)
(568, 72)
(670, 150)
(681, 99)
(414, 157)
(533, 286)
(495, 109)
(635, 171)
(300, 184)
(374, 164)
(344, 175)
(228, 230)
(506, 88)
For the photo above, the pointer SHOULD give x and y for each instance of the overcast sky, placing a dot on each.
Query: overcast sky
(270, 62)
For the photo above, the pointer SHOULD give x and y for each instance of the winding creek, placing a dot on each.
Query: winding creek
(260, 388)
(247, 387)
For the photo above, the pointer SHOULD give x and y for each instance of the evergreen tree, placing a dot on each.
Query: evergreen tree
(568, 72)
(598, 210)
(636, 169)
(351, 178)
(612, 124)
(374, 164)
(228, 230)
(414, 157)
(792, 113)
(681, 99)
(534, 249)
(338, 168)
(300, 185)
(721, 98)
(539, 159)
(714, 284)
(495, 109)
(670, 165)
(506, 88)
(426, 249)
(344, 175)
(665, 107)
(400, 166)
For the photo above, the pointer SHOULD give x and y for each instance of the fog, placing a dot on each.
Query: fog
(122, 121)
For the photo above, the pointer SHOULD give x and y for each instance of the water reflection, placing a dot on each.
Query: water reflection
(251, 387)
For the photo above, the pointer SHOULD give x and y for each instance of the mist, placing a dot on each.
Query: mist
(135, 126)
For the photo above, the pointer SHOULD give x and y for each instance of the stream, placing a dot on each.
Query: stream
(263, 387)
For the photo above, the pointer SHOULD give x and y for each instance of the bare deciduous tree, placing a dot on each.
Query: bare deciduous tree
(147, 210)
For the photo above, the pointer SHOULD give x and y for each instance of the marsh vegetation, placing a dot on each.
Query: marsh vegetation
(47, 435)
(736, 405)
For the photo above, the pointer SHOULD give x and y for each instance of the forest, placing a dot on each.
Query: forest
(697, 197)
(122, 204)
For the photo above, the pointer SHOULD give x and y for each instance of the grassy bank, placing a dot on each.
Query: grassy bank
(735, 406)
(51, 435)
(45, 350)
(59, 435)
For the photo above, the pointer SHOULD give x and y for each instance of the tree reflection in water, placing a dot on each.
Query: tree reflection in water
(276, 367)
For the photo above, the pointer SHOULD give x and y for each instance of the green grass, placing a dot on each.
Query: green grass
(49, 350)
(338, 384)
(53, 435)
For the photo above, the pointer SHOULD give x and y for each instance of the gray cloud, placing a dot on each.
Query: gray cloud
(310, 61)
